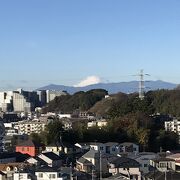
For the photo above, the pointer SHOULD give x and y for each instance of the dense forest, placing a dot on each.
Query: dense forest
(129, 118)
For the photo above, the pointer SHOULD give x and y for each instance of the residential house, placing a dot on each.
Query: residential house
(158, 175)
(125, 166)
(163, 164)
(23, 176)
(64, 147)
(111, 148)
(47, 173)
(84, 165)
(97, 123)
(144, 160)
(52, 159)
(94, 158)
(29, 147)
(98, 146)
(129, 148)
(10, 168)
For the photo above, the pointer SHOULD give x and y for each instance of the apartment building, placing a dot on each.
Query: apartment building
(29, 127)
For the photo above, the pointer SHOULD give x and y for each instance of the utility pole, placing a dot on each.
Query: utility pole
(100, 165)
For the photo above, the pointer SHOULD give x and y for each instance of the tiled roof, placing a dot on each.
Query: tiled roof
(84, 161)
(46, 169)
(123, 162)
(29, 143)
(51, 156)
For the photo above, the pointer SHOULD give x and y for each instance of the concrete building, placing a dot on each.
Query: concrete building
(173, 126)
(51, 95)
(29, 127)
(42, 97)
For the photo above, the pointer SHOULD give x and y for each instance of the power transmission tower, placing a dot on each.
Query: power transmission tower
(141, 84)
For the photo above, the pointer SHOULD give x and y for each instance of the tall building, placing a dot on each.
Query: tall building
(42, 97)
(20, 103)
(51, 94)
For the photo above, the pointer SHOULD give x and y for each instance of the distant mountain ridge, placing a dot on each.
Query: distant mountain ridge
(125, 87)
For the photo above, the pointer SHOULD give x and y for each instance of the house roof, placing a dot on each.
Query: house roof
(174, 156)
(29, 143)
(96, 154)
(160, 175)
(84, 161)
(6, 155)
(162, 159)
(123, 162)
(1, 173)
(111, 144)
(127, 144)
(82, 175)
(64, 144)
(51, 156)
(46, 169)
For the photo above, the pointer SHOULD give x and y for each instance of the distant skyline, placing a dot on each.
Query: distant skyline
(74, 42)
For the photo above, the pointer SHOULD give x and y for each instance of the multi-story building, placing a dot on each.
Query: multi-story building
(50, 94)
(29, 127)
(42, 97)
(173, 126)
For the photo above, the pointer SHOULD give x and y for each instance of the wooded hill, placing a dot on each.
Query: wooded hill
(82, 101)
(160, 101)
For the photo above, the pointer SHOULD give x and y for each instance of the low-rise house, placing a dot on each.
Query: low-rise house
(47, 173)
(52, 159)
(95, 157)
(29, 147)
(125, 166)
(128, 147)
(84, 165)
(23, 176)
(163, 164)
(111, 148)
(158, 175)
(98, 146)
(97, 123)
(10, 168)
(64, 147)
(144, 160)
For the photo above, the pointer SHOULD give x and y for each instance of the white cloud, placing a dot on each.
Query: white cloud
(88, 81)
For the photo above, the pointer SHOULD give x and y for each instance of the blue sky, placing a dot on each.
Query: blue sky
(65, 41)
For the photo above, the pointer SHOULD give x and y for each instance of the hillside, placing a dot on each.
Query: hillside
(78, 101)
(112, 88)
(159, 101)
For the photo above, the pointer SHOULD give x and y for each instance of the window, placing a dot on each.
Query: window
(52, 176)
(40, 175)
(145, 165)
(101, 148)
(113, 149)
